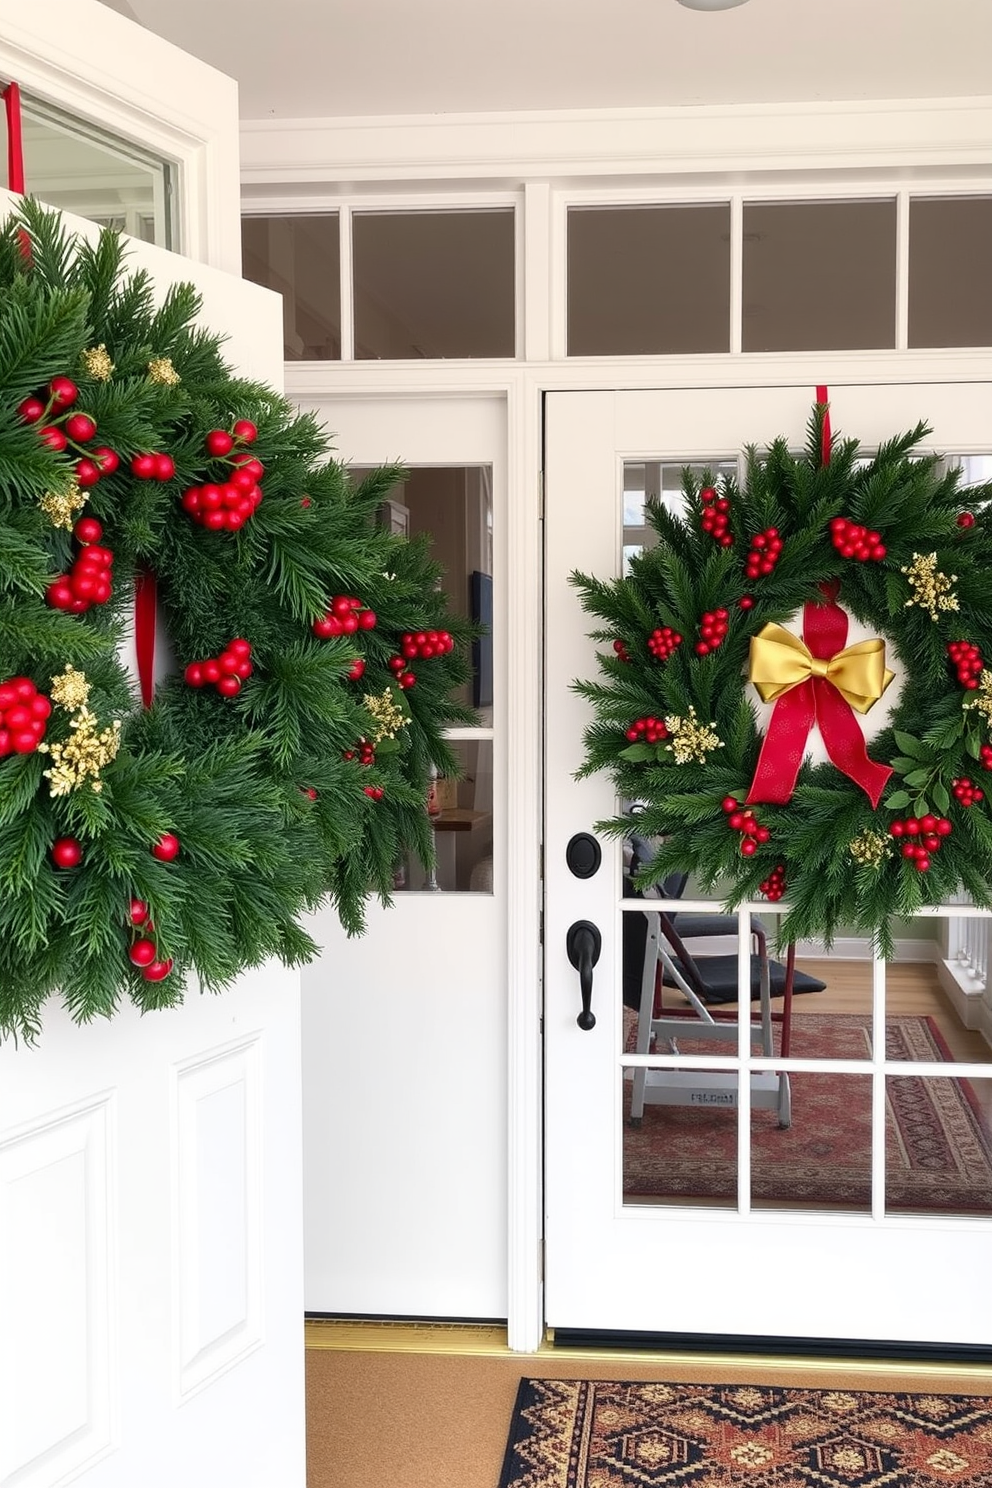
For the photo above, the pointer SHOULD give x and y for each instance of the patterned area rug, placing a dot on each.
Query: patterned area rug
(590, 1434)
(938, 1155)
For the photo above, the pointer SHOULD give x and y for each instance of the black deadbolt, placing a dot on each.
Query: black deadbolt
(583, 855)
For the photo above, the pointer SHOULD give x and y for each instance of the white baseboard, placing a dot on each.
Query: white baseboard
(858, 948)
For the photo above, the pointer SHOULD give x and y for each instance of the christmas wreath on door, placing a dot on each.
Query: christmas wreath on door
(184, 833)
(726, 655)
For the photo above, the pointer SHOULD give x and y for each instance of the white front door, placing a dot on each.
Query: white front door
(706, 1265)
(151, 1267)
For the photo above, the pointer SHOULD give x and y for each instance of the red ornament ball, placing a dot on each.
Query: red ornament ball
(166, 848)
(63, 391)
(87, 530)
(67, 852)
(80, 427)
(138, 911)
(966, 519)
(219, 443)
(143, 952)
(157, 971)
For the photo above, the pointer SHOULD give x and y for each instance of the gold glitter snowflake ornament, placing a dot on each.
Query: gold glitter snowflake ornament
(70, 690)
(931, 589)
(691, 740)
(870, 849)
(83, 755)
(160, 369)
(97, 364)
(388, 718)
(60, 507)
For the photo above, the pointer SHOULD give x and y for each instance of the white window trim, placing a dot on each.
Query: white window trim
(93, 63)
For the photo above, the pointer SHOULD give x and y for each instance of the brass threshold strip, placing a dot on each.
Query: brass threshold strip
(489, 1340)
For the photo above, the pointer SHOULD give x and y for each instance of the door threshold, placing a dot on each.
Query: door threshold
(847, 1353)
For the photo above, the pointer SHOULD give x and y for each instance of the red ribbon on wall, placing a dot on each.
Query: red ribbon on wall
(15, 148)
(145, 595)
(816, 701)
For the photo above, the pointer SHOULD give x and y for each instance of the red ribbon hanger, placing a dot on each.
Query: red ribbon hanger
(816, 701)
(145, 596)
(15, 147)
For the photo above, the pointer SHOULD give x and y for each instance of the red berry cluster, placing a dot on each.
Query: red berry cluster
(364, 753)
(59, 428)
(621, 650)
(741, 820)
(712, 628)
(225, 505)
(967, 661)
(425, 644)
(716, 517)
(986, 757)
(374, 792)
(854, 541)
(220, 442)
(773, 887)
(928, 831)
(88, 581)
(144, 952)
(965, 791)
(226, 672)
(404, 677)
(763, 554)
(344, 615)
(651, 730)
(24, 711)
(661, 643)
(153, 466)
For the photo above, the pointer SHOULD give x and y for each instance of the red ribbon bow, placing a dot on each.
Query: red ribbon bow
(817, 701)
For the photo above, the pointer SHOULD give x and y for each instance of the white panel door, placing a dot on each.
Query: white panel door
(151, 1267)
(678, 1268)
(404, 1029)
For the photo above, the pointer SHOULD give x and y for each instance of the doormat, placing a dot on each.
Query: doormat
(938, 1147)
(594, 1434)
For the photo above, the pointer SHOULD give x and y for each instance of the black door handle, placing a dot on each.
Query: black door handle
(583, 944)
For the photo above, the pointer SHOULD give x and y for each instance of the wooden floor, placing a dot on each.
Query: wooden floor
(406, 1407)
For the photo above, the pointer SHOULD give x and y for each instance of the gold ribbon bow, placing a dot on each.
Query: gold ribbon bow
(781, 661)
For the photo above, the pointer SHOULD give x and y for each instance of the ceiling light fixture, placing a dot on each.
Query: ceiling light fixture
(711, 4)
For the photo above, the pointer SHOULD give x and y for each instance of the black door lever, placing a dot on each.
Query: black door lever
(583, 944)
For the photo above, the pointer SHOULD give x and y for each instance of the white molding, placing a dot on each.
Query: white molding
(524, 764)
(886, 134)
(89, 61)
(322, 380)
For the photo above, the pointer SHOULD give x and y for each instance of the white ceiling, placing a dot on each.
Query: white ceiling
(321, 58)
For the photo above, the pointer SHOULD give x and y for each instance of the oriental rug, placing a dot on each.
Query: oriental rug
(593, 1434)
(938, 1153)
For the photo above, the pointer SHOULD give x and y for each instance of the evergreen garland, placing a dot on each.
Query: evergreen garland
(674, 726)
(306, 780)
